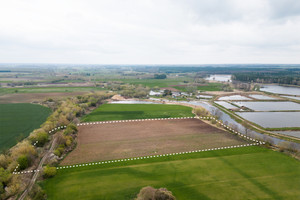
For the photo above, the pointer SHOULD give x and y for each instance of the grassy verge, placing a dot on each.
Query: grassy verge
(241, 173)
(206, 87)
(284, 129)
(137, 111)
(155, 82)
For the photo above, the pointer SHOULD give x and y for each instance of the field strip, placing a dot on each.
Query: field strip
(144, 157)
(257, 142)
(156, 156)
(173, 118)
(134, 120)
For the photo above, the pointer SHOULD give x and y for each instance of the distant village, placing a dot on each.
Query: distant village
(177, 94)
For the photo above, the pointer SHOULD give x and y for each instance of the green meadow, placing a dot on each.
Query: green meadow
(206, 87)
(18, 120)
(156, 82)
(107, 112)
(48, 89)
(240, 173)
(172, 82)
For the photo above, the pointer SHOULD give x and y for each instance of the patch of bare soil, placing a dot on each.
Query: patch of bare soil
(117, 97)
(134, 139)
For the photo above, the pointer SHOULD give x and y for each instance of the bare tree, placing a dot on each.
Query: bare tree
(246, 126)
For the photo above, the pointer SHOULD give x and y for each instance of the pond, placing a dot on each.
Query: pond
(269, 106)
(226, 105)
(277, 89)
(228, 120)
(273, 119)
(234, 97)
(261, 97)
(219, 77)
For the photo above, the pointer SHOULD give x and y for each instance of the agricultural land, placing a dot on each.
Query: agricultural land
(143, 138)
(106, 132)
(18, 120)
(108, 112)
(241, 173)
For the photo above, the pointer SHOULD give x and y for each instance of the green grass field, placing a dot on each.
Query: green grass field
(48, 89)
(137, 111)
(18, 120)
(156, 82)
(208, 87)
(241, 173)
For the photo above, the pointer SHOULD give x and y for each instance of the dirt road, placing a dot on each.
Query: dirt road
(39, 169)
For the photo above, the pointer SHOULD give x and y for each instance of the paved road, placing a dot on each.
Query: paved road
(35, 175)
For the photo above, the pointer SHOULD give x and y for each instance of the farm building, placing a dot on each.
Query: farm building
(153, 93)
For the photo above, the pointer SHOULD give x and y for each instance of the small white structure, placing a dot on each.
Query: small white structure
(152, 93)
(201, 96)
(176, 94)
(184, 94)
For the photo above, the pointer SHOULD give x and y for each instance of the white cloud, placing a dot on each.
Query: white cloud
(150, 31)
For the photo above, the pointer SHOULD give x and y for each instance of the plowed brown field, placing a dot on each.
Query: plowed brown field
(134, 139)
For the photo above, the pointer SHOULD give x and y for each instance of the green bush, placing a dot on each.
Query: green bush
(23, 161)
(201, 111)
(72, 126)
(3, 161)
(49, 171)
(1, 188)
(68, 131)
(61, 149)
(69, 140)
(42, 138)
(71, 129)
(92, 102)
(37, 193)
(40, 195)
(4, 179)
(57, 152)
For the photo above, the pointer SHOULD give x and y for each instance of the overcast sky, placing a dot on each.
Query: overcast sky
(150, 31)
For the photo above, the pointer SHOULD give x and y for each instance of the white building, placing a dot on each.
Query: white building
(152, 93)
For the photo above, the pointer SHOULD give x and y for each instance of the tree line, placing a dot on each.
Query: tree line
(26, 155)
(290, 77)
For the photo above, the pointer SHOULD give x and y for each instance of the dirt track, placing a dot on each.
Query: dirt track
(132, 139)
(39, 168)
